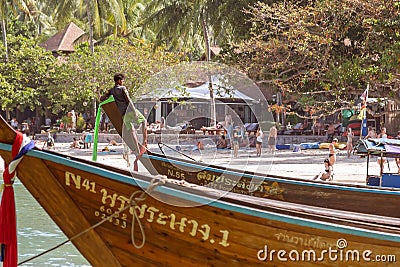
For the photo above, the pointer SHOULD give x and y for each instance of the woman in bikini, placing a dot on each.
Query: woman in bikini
(332, 152)
(327, 174)
(349, 144)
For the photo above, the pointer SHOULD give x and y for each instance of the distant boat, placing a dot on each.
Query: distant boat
(188, 225)
(338, 196)
(383, 148)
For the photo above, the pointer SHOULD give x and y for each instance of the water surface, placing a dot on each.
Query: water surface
(38, 233)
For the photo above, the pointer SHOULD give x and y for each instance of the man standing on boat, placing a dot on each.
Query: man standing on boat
(130, 115)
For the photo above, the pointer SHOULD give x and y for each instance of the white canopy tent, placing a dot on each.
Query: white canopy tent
(199, 92)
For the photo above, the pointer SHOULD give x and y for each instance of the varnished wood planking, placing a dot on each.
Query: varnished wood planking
(165, 246)
(337, 196)
(251, 239)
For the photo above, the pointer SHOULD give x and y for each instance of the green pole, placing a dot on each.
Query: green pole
(97, 125)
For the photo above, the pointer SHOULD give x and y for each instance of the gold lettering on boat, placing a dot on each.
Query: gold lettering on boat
(151, 210)
(243, 186)
(106, 197)
(314, 242)
(162, 219)
(123, 201)
(177, 174)
(181, 224)
(273, 190)
(142, 210)
(114, 202)
(79, 183)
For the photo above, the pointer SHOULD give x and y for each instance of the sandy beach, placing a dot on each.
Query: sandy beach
(302, 164)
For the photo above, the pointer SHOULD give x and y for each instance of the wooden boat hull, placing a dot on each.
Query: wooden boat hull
(228, 232)
(334, 196)
(184, 226)
(347, 197)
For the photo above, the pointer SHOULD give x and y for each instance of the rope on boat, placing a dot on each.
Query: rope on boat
(133, 200)
(161, 145)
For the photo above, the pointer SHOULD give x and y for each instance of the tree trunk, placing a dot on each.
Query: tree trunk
(89, 15)
(91, 46)
(3, 28)
(210, 86)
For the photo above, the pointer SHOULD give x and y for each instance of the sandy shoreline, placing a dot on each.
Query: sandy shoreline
(303, 164)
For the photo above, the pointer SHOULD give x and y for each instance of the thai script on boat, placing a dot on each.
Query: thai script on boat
(169, 219)
(112, 203)
(237, 185)
(312, 242)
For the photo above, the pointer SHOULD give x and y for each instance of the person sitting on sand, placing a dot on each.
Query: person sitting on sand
(199, 146)
(371, 133)
(327, 174)
(222, 143)
(49, 141)
(74, 143)
(112, 142)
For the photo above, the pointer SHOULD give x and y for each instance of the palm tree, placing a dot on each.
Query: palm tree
(180, 23)
(104, 17)
(6, 7)
(134, 10)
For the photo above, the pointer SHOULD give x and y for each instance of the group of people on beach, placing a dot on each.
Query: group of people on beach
(329, 162)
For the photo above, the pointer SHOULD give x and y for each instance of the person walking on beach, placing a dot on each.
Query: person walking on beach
(130, 115)
(382, 160)
(349, 144)
(273, 133)
(371, 133)
(235, 144)
(229, 126)
(398, 159)
(49, 141)
(259, 141)
(330, 132)
(332, 152)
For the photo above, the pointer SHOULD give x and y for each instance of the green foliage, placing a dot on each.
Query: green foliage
(325, 52)
(24, 80)
(80, 123)
(84, 77)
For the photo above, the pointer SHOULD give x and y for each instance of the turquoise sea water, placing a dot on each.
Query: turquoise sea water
(38, 233)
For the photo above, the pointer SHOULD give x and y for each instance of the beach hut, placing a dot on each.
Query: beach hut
(191, 103)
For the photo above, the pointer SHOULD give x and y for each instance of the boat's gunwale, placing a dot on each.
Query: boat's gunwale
(221, 204)
(356, 188)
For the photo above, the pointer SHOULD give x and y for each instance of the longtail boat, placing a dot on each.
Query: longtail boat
(116, 218)
(383, 149)
(338, 196)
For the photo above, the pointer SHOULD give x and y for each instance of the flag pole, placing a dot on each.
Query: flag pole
(364, 112)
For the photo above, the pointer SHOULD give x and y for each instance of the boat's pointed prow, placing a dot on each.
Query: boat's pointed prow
(7, 134)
